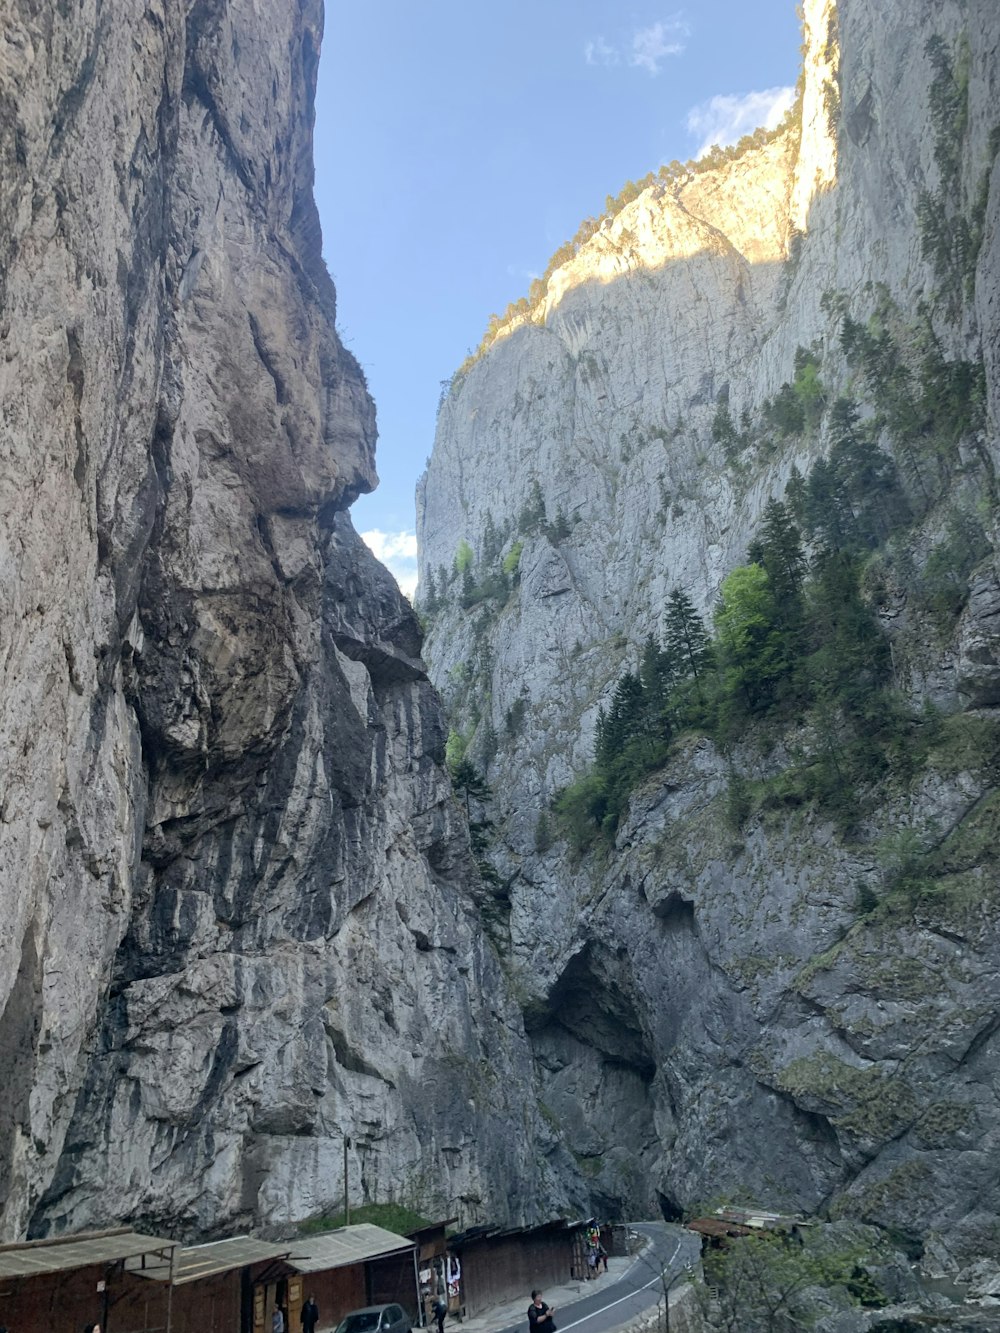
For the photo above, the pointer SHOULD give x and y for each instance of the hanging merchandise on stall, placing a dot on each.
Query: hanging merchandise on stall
(453, 1275)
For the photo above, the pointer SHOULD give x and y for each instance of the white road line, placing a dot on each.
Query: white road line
(564, 1328)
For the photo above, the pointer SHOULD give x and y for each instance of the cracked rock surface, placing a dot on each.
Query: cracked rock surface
(235, 922)
(711, 1013)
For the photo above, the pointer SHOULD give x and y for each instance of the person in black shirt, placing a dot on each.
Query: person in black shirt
(310, 1315)
(540, 1315)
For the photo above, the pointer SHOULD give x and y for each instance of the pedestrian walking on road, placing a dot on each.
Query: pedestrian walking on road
(540, 1315)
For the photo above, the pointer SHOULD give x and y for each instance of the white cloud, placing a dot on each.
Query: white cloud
(398, 552)
(725, 118)
(645, 49)
(391, 545)
(651, 45)
(599, 52)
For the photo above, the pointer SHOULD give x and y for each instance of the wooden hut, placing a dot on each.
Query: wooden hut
(224, 1286)
(351, 1267)
(500, 1265)
(71, 1281)
(432, 1272)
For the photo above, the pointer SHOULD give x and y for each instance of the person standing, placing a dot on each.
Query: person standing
(440, 1310)
(310, 1315)
(278, 1320)
(540, 1315)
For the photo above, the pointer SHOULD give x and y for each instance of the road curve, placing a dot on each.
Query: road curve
(670, 1250)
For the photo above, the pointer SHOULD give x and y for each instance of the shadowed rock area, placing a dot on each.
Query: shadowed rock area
(235, 922)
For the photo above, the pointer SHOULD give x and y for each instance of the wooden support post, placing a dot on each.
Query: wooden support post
(170, 1290)
(347, 1201)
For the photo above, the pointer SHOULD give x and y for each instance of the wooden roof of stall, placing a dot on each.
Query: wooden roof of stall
(60, 1254)
(420, 1234)
(715, 1227)
(346, 1245)
(217, 1256)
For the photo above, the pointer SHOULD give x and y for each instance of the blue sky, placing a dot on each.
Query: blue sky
(458, 144)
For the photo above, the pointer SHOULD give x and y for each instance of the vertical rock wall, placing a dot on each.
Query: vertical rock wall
(720, 998)
(233, 912)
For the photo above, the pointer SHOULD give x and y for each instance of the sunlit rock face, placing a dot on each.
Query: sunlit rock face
(710, 1014)
(235, 922)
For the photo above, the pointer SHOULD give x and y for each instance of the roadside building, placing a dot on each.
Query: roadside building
(224, 1286)
(234, 1286)
(433, 1267)
(67, 1282)
(730, 1223)
(500, 1265)
(350, 1268)
(714, 1231)
(132, 1283)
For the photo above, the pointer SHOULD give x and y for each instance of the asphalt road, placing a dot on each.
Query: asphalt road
(670, 1251)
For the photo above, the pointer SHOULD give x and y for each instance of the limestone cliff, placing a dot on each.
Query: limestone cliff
(234, 919)
(712, 1013)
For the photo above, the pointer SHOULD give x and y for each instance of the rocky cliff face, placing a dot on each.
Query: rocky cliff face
(234, 918)
(711, 1011)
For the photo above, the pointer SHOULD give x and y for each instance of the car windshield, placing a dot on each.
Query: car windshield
(366, 1322)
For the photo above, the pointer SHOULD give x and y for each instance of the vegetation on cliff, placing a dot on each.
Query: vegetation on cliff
(796, 638)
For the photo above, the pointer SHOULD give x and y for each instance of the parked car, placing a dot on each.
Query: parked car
(376, 1319)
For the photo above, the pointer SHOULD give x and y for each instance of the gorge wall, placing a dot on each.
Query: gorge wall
(235, 917)
(753, 1007)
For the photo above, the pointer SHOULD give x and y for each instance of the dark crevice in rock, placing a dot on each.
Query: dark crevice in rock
(75, 379)
(20, 1025)
(96, 1096)
(593, 1005)
(72, 100)
(203, 23)
(268, 361)
(670, 1208)
(346, 1055)
(675, 911)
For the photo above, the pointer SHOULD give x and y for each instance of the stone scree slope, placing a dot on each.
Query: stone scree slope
(235, 923)
(707, 1015)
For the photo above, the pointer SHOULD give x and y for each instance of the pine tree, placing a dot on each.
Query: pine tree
(851, 654)
(490, 742)
(623, 721)
(491, 541)
(468, 587)
(795, 495)
(473, 790)
(828, 516)
(686, 641)
(532, 514)
(655, 678)
(752, 644)
(866, 476)
(781, 553)
(559, 529)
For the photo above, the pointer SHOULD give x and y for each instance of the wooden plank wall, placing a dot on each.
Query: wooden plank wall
(71, 1301)
(392, 1279)
(336, 1292)
(496, 1272)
